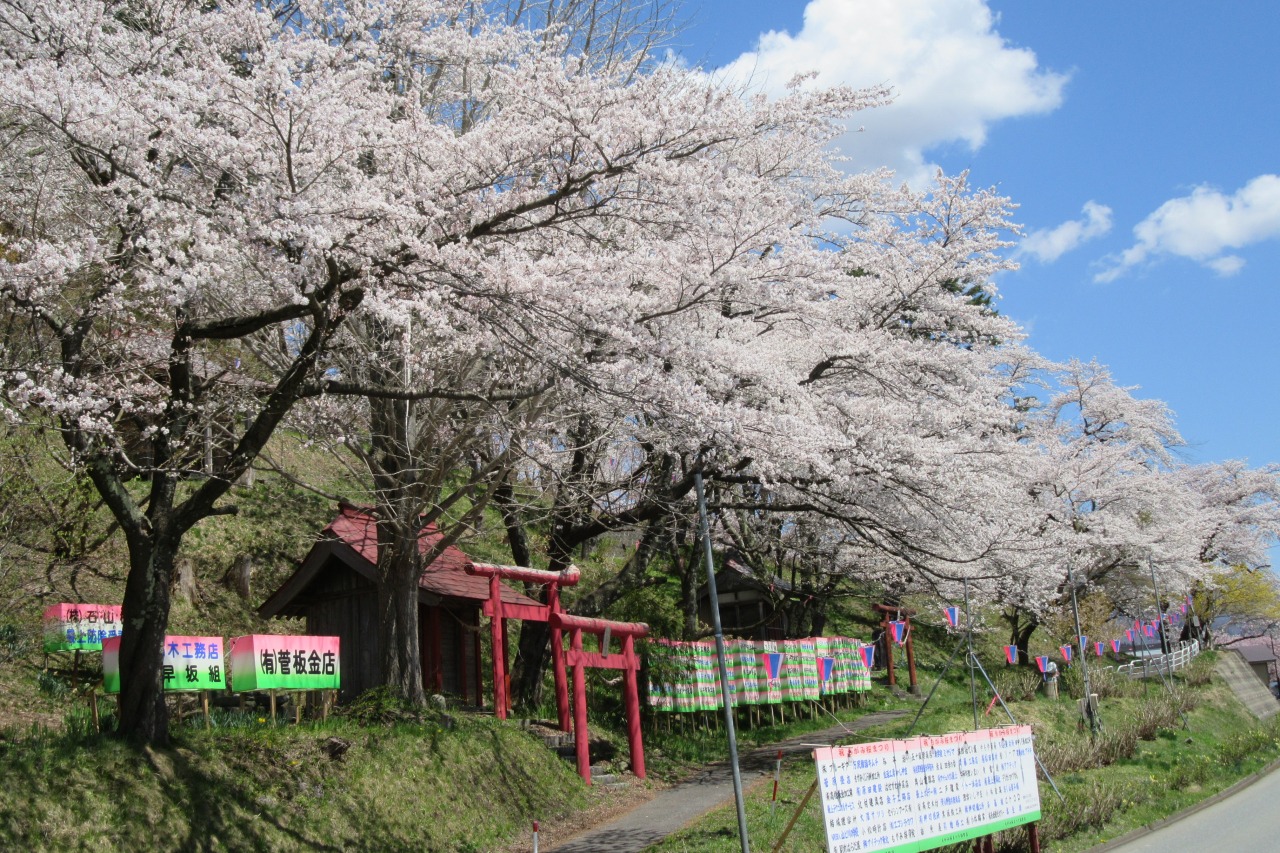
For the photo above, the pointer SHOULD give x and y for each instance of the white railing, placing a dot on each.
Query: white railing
(1161, 664)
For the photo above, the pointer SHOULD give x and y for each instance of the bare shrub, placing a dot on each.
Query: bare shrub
(1017, 684)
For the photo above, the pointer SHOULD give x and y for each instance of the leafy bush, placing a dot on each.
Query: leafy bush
(1190, 770)
(51, 685)
(1241, 745)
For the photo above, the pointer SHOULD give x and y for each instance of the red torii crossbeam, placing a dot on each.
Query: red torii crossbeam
(498, 613)
(627, 661)
(576, 656)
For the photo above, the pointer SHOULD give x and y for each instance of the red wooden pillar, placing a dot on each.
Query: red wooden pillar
(631, 699)
(498, 634)
(581, 740)
(911, 658)
(1033, 837)
(557, 658)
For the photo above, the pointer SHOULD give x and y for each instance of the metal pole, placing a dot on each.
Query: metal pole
(724, 670)
(973, 684)
(1084, 666)
(1164, 638)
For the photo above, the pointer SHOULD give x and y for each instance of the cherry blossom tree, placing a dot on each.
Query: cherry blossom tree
(204, 197)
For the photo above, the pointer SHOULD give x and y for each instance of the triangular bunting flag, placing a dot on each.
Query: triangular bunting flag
(1011, 654)
(1066, 653)
(868, 654)
(824, 669)
(898, 631)
(953, 615)
(772, 664)
(1115, 647)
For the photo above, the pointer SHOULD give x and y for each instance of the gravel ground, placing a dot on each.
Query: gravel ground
(630, 818)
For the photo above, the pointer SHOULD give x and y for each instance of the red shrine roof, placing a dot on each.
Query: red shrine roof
(352, 538)
(447, 574)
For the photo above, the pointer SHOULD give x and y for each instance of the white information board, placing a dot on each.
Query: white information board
(928, 791)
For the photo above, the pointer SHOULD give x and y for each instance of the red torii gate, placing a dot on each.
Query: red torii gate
(580, 660)
(498, 612)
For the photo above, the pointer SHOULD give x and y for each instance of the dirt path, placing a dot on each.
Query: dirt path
(631, 826)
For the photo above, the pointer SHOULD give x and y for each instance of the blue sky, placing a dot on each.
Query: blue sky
(1140, 139)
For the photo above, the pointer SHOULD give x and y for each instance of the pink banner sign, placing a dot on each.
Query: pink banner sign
(80, 627)
(190, 663)
(284, 662)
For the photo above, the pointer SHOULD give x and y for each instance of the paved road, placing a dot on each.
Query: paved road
(1245, 822)
(673, 809)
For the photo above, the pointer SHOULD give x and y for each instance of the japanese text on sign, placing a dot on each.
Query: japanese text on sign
(927, 792)
(80, 627)
(273, 661)
(189, 663)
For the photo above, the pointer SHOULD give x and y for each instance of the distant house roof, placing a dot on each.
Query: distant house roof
(736, 575)
(352, 538)
(1256, 654)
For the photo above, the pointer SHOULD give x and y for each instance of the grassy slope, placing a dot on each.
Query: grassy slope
(1170, 771)
(409, 786)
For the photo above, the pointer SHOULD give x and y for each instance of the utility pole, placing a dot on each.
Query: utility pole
(724, 670)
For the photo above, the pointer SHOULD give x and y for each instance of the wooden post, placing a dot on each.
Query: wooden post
(93, 710)
(437, 652)
(1033, 837)
(204, 703)
(911, 659)
(272, 693)
(297, 710)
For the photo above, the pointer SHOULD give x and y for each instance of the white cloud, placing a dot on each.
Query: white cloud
(952, 74)
(1047, 245)
(1202, 226)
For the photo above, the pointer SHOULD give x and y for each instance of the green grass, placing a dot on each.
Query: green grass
(1142, 767)
(248, 786)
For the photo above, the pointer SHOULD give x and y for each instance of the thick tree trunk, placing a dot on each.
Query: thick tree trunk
(143, 715)
(1021, 626)
(399, 569)
(534, 644)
